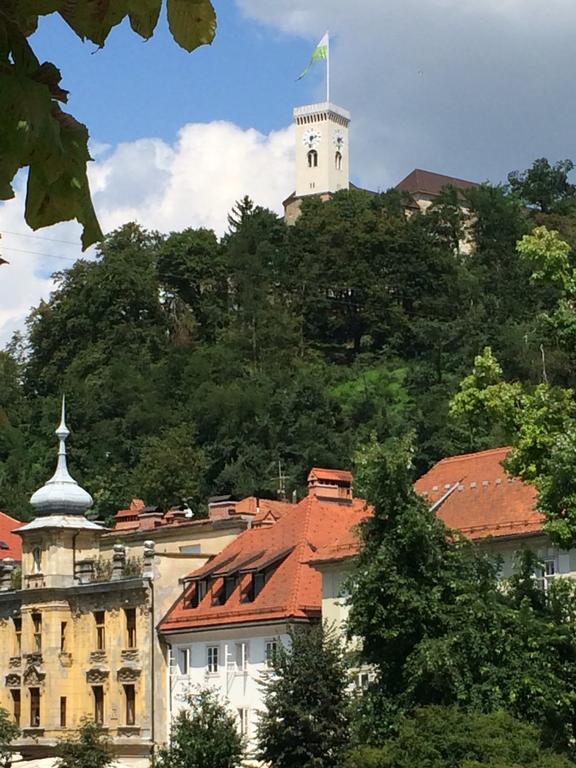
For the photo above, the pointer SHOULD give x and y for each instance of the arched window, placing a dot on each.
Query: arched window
(312, 159)
(37, 557)
(338, 161)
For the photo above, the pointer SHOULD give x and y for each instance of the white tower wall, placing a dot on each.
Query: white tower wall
(322, 149)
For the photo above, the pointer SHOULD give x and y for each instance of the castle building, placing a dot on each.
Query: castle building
(322, 134)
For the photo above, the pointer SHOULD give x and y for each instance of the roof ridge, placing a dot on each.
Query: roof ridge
(477, 454)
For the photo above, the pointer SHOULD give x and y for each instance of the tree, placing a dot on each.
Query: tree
(88, 747)
(543, 185)
(438, 628)
(34, 131)
(305, 721)
(445, 737)
(8, 732)
(203, 735)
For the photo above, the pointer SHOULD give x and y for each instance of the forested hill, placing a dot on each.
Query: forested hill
(194, 365)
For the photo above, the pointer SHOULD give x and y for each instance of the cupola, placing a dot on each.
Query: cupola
(61, 495)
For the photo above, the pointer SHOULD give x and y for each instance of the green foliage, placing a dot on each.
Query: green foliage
(88, 747)
(548, 256)
(34, 131)
(8, 732)
(445, 737)
(544, 186)
(203, 735)
(436, 625)
(305, 720)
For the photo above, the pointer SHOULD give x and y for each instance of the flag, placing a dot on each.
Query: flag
(321, 53)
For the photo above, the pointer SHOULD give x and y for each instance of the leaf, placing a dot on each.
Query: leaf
(58, 188)
(192, 22)
(143, 20)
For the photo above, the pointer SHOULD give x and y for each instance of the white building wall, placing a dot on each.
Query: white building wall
(240, 687)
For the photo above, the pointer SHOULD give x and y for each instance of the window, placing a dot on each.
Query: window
(312, 159)
(229, 586)
(362, 680)
(37, 560)
(130, 614)
(98, 692)
(270, 652)
(37, 631)
(16, 706)
(130, 698)
(183, 661)
(62, 711)
(243, 715)
(63, 638)
(99, 620)
(17, 636)
(34, 707)
(241, 657)
(338, 161)
(256, 586)
(212, 653)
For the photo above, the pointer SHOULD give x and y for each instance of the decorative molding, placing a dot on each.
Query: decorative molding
(65, 658)
(97, 657)
(33, 676)
(128, 674)
(97, 675)
(128, 731)
(13, 680)
(130, 654)
(15, 662)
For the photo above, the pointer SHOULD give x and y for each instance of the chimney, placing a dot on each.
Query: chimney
(330, 484)
(221, 507)
(149, 517)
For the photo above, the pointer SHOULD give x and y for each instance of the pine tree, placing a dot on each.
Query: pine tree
(305, 724)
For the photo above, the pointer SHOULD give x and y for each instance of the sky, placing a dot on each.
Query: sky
(470, 88)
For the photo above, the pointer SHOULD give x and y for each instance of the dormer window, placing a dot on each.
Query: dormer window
(312, 159)
(198, 594)
(338, 161)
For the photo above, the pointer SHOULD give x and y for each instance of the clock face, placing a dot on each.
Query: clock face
(338, 139)
(312, 138)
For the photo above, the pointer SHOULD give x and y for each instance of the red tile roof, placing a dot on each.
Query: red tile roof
(294, 588)
(10, 543)
(486, 501)
(428, 183)
(263, 509)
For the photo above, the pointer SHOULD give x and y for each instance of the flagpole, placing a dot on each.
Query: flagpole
(328, 70)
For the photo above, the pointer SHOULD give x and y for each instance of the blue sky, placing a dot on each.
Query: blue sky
(469, 88)
(132, 89)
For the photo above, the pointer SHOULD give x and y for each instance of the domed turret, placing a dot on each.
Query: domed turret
(61, 495)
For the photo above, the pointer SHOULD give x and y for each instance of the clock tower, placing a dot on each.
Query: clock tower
(322, 158)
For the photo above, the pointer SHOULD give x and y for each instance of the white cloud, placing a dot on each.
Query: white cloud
(191, 183)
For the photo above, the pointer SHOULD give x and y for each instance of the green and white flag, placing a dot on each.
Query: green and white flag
(321, 53)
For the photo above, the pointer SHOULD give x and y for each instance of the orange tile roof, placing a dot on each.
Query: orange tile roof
(294, 589)
(263, 508)
(486, 501)
(10, 543)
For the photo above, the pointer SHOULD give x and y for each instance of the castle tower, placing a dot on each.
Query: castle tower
(322, 154)
(60, 537)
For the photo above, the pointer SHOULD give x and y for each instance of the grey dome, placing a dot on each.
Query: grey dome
(61, 495)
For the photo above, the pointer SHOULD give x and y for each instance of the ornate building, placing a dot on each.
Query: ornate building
(77, 634)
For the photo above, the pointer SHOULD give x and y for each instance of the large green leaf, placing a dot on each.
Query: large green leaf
(58, 188)
(192, 22)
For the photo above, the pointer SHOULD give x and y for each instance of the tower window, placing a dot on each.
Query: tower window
(63, 636)
(130, 697)
(37, 560)
(17, 636)
(62, 711)
(338, 161)
(312, 159)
